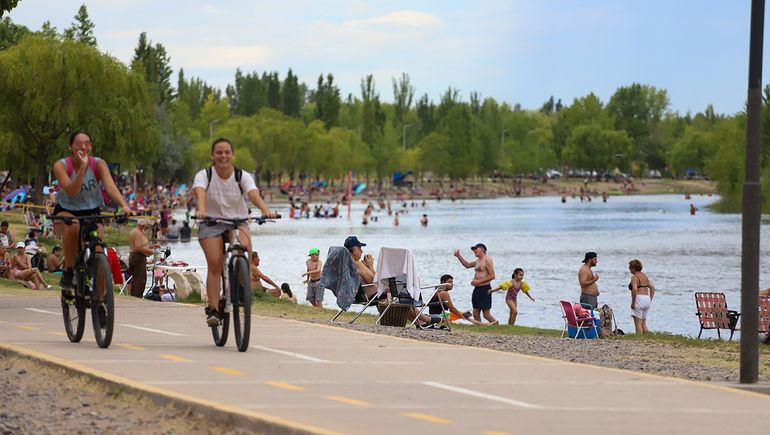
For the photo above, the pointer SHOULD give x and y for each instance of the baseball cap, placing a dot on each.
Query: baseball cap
(143, 223)
(352, 241)
(589, 255)
(479, 245)
(314, 251)
(20, 245)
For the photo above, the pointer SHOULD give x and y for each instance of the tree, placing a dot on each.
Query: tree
(327, 100)
(403, 93)
(292, 98)
(273, 90)
(7, 5)
(82, 29)
(10, 33)
(426, 113)
(638, 109)
(51, 88)
(155, 64)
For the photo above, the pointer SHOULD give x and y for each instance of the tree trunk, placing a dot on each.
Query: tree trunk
(42, 173)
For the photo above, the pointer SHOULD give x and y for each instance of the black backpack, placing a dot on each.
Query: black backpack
(238, 176)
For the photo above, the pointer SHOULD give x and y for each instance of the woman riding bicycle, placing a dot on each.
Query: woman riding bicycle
(221, 196)
(79, 194)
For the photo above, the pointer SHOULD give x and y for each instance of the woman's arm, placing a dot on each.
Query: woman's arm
(634, 291)
(652, 288)
(70, 185)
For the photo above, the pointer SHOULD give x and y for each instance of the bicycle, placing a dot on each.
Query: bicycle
(235, 288)
(92, 277)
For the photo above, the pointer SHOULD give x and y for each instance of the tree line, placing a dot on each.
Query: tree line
(143, 117)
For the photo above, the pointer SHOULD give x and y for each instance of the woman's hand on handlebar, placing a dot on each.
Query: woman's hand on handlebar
(271, 215)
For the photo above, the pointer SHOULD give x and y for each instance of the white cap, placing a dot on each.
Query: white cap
(20, 245)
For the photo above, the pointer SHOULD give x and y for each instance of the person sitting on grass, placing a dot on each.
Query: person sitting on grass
(257, 276)
(5, 263)
(23, 271)
(513, 287)
(55, 261)
(287, 294)
(443, 294)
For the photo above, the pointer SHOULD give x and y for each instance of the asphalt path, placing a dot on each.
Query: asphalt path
(325, 379)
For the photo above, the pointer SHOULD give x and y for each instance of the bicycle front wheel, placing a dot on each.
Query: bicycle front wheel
(74, 311)
(219, 333)
(240, 296)
(102, 300)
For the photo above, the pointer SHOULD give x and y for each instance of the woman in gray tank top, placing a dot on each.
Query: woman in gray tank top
(80, 194)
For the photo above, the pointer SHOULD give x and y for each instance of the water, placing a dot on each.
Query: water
(681, 253)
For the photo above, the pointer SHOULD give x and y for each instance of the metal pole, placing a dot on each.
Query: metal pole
(211, 128)
(752, 207)
(403, 135)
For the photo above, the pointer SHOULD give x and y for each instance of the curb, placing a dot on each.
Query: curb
(216, 412)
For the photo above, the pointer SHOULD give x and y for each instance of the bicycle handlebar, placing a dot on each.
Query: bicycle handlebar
(236, 221)
(69, 220)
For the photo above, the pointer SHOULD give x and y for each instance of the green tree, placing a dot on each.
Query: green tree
(592, 147)
(10, 33)
(7, 5)
(403, 93)
(273, 90)
(52, 87)
(82, 29)
(327, 101)
(155, 64)
(291, 95)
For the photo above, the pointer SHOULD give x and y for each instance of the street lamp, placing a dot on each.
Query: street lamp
(403, 135)
(211, 128)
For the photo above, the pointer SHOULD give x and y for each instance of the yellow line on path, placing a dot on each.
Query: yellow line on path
(175, 358)
(227, 371)
(132, 347)
(348, 400)
(284, 385)
(426, 417)
(495, 433)
(27, 327)
(58, 333)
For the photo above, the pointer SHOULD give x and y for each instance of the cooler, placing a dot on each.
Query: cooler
(589, 332)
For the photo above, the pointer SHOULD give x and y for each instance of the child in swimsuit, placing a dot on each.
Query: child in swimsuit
(515, 285)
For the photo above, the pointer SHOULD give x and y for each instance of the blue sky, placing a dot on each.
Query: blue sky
(518, 51)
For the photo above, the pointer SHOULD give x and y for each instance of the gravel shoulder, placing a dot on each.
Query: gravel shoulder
(37, 399)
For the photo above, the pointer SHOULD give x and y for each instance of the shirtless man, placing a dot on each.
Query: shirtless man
(140, 249)
(315, 291)
(257, 276)
(484, 274)
(588, 290)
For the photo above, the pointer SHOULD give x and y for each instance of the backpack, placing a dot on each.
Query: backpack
(606, 320)
(238, 176)
(92, 164)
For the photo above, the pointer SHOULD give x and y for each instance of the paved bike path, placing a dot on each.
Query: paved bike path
(323, 378)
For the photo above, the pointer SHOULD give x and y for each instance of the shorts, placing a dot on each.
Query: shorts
(89, 212)
(641, 306)
(206, 231)
(315, 291)
(591, 300)
(481, 299)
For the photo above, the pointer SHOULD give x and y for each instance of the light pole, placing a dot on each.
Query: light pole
(211, 128)
(403, 135)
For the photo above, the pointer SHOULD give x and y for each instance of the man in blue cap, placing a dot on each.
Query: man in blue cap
(484, 274)
(364, 264)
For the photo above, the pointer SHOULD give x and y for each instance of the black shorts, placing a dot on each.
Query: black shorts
(481, 299)
(90, 212)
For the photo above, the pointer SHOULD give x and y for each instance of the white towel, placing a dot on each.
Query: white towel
(395, 262)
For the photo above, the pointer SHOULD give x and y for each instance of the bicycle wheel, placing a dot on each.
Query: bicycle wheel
(240, 296)
(220, 332)
(102, 308)
(74, 311)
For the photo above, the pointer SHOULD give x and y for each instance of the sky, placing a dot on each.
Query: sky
(515, 51)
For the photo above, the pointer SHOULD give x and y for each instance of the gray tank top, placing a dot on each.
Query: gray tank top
(89, 197)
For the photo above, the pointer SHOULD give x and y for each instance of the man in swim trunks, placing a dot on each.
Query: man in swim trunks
(484, 274)
(589, 293)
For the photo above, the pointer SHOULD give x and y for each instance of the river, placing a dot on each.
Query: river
(681, 253)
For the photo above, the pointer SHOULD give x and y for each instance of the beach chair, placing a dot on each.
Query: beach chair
(581, 324)
(713, 313)
(398, 280)
(339, 275)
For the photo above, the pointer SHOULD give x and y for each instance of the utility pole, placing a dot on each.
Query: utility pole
(211, 128)
(403, 135)
(752, 207)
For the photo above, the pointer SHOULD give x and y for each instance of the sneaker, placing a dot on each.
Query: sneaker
(212, 317)
(66, 280)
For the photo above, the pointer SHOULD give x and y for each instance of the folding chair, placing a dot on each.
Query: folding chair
(579, 323)
(397, 277)
(339, 275)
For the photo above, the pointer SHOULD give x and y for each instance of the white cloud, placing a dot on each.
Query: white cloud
(404, 18)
